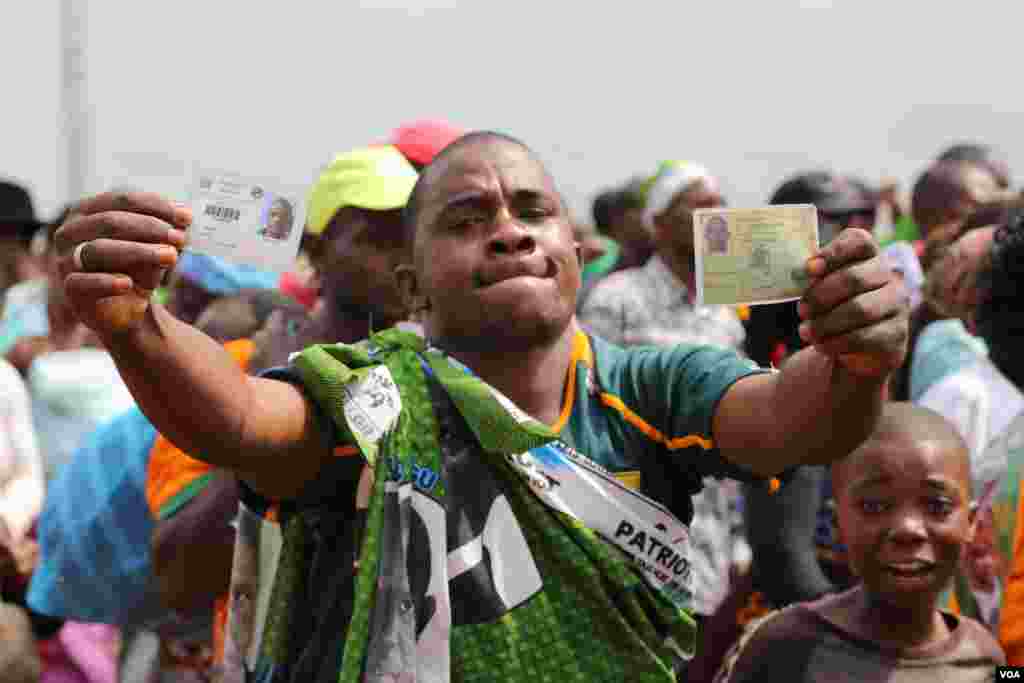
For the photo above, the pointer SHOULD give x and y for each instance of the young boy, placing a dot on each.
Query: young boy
(903, 503)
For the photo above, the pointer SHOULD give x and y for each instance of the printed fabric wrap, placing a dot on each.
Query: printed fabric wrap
(571, 604)
(996, 542)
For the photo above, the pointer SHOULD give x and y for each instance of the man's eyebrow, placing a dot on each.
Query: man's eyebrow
(872, 480)
(467, 199)
(526, 195)
(940, 485)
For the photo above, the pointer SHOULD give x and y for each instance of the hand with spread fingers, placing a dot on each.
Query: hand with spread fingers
(854, 309)
(113, 252)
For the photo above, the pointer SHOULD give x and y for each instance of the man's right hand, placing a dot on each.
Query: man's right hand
(264, 430)
(125, 244)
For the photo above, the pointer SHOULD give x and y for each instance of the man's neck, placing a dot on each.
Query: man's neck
(681, 264)
(534, 379)
(340, 326)
(633, 255)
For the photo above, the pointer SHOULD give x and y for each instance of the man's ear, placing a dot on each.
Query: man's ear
(415, 300)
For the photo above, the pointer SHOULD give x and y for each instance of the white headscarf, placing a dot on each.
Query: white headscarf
(670, 182)
(903, 259)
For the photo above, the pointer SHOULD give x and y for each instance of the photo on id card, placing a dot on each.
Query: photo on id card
(753, 256)
(248, 221)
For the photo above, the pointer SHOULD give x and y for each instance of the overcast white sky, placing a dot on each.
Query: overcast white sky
(755, 90)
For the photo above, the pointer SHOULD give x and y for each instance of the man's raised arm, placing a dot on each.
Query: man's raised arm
(826, 399)
(114, 250)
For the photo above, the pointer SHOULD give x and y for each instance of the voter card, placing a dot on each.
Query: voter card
(753, 256)
(246, 220)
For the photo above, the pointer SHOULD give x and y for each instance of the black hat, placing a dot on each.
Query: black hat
(829, 192)
(16, 211)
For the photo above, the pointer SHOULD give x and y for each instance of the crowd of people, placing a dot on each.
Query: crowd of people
(470, 436)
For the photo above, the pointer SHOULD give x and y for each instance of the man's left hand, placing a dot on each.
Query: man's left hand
(855, 310)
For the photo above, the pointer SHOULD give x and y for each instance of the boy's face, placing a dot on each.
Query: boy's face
(904, 516)
(496, 261)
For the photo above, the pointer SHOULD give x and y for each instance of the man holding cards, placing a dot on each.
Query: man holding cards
(494, 279)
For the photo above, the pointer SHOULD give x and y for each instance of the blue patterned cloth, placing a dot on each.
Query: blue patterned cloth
(217, 276)
(95, 529)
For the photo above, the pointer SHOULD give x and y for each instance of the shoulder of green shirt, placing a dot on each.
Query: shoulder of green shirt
(708, 370)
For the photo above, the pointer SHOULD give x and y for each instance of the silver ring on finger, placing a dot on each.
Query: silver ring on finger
(76, 257)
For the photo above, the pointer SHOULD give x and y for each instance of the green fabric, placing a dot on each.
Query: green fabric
(591, 622)
(1004, 507)
(182, 498)
(905, 230)
(494, 428)
(603, 263)
(275, 644)
(412, 442)
(594, 618)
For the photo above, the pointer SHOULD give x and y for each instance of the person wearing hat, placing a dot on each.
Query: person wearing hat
(18, 225)
(36, 318)
(421, 140)
(355, 214)
(840, 201)
(418, 141)
(22, 274)
(356, 234)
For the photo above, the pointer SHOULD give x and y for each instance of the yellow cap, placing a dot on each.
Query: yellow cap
(377, 178)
